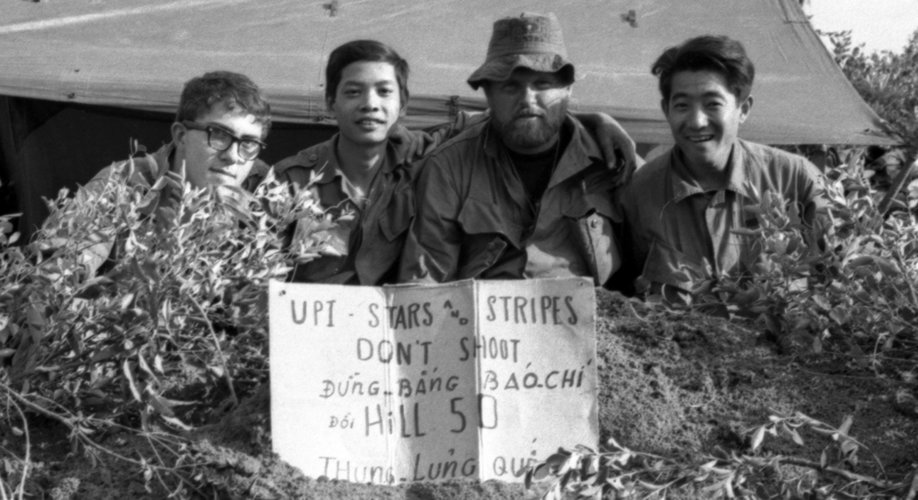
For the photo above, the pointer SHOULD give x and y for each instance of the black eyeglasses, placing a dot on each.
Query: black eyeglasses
(221, 140)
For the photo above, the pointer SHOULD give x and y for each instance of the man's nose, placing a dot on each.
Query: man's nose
(697, 118)
(371, 101)
(529, 95)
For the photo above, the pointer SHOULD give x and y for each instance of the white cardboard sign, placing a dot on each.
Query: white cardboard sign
(472, 379)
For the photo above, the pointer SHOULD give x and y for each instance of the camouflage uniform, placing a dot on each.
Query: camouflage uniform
(366, 243)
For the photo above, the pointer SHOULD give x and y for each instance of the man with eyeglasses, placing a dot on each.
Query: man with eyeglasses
(221, 140)
(219, 130)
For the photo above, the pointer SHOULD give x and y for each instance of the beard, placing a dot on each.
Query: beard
(538, 132)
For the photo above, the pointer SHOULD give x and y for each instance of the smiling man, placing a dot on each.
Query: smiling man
(362, 176)
(524, 194)
(218, 132)
(683, 208)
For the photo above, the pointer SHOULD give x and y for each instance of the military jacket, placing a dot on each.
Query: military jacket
(476, 220)
(679, 234)
(366, 243)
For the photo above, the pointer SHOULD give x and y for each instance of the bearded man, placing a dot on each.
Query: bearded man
(524, 194)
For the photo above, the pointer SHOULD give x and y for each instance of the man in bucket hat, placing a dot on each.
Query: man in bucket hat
(524, 194)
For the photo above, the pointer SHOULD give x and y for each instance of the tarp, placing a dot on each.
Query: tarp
(80, 78)
(138, 53)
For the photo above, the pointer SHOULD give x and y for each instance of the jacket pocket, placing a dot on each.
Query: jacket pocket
(581, 205)
(592, 216)
(478, 217)
(397, 217)
(488, 236)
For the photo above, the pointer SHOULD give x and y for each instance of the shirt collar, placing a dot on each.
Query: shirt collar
(740, 166)
(329, 170)
(581, 150)
(683, 185)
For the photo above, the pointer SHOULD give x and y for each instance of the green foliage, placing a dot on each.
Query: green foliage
(846, 284)
(887, 81)
(620, 472)
(172, 332)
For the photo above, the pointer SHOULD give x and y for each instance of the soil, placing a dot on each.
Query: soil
(673, 384)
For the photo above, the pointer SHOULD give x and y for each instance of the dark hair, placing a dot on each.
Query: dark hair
(235, 90)
(707, 53)
(364, 50)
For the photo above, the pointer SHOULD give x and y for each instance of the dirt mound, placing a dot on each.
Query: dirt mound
(685, 384)
(673, 384)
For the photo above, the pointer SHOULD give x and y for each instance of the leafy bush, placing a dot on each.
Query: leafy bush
(171, 334)
(846, 287)
(620, 472)
(887, 81)
(847, 284)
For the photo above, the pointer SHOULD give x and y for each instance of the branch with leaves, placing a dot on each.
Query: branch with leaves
(170, 332)
(619, 472)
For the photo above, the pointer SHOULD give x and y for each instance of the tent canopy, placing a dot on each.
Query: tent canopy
(136, 54)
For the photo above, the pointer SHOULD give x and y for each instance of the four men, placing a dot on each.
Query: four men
(522, 192)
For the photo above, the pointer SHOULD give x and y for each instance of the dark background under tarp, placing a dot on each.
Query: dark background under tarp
(80, 78)
(48, 145)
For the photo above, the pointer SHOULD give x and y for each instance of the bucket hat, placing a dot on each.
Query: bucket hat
(530, 41)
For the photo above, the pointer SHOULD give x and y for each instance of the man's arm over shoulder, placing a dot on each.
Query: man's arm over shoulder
(618, 148)
(434, 242)
(631, 198)
(634, 202)
(420, 144)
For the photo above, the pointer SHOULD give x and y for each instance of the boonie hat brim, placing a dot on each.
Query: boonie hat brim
(499, 69)
(531, 41)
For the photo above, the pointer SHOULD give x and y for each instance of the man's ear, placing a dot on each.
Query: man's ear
(330, 104)
(178, 132)
(664, 107)
(745, 108)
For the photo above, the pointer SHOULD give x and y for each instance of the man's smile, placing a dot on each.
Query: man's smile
(370, 123)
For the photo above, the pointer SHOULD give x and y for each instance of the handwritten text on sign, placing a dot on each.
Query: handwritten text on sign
(420, 383)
